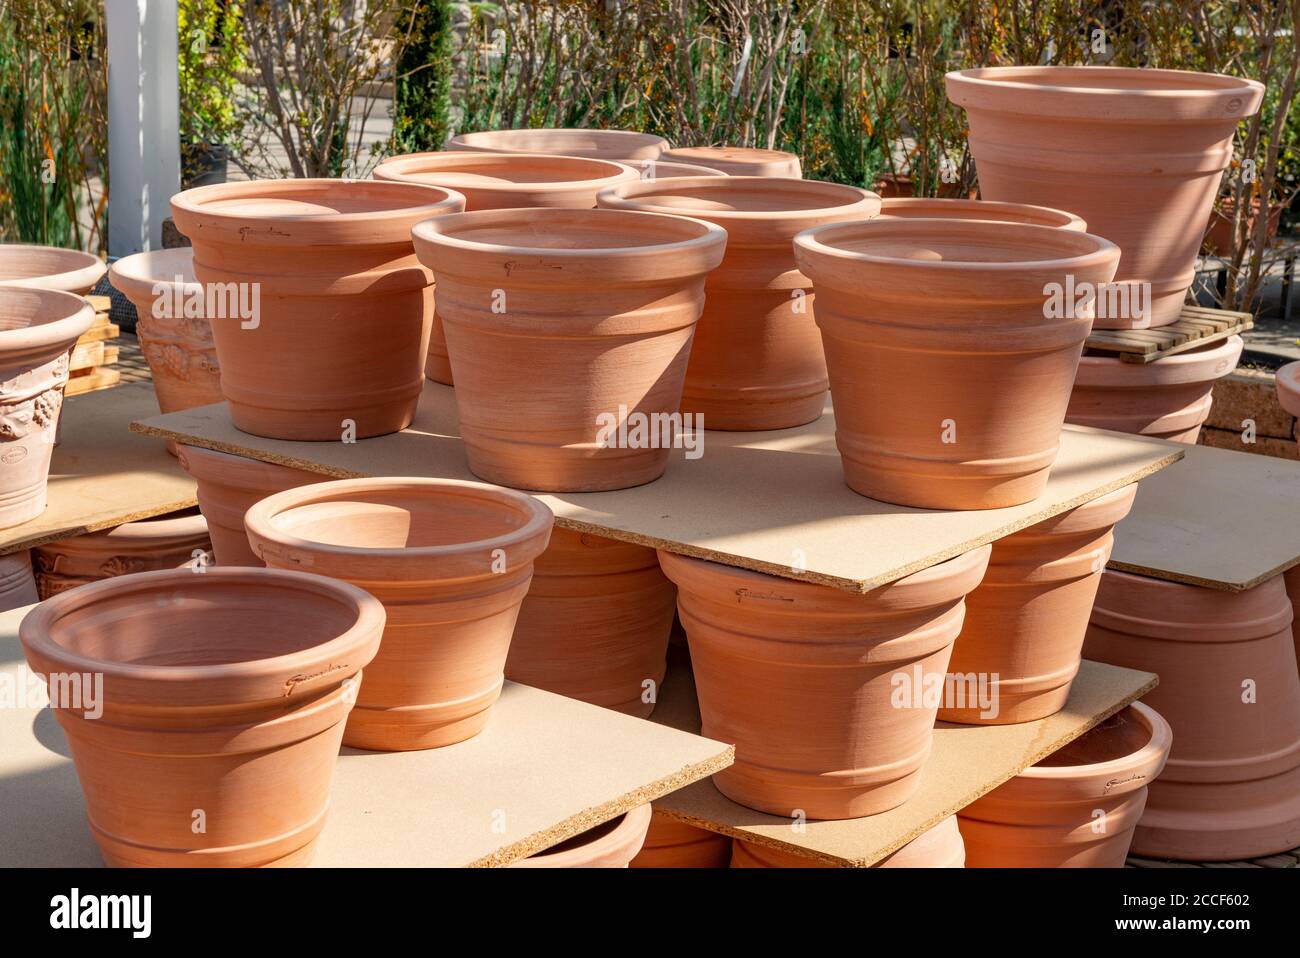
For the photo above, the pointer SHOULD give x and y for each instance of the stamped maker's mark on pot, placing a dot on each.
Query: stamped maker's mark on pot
(269, 231)
(1116, 782)
(742, 594)
(294, 681)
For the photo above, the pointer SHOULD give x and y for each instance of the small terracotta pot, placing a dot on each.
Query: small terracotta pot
(673, 844)
(611, 845)
(1079, 806)
(168, 541)
(1168, 399)
(738, 160)
(450, 561)
(952, 316)
(812, 684)
(911, 208)
(17, 584)
(49, 267)
(1230, 690)
(224, 696)
(496, 181)
(1137, 153)
(1026, 621)
(1219, 237)
(228, 486)
(595, 623)
(559, 324)
(756, 361)
(1288, 388)
(596, 144)
(38, 329)
(903, 186)
(343, 307)
(939, 847)
(662, 169)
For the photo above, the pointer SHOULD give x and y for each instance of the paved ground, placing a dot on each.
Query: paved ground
(1289, 859)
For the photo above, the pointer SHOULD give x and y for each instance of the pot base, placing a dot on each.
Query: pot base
(564, 468)
(751, 415)
(415, 727)
(950, 490)
(324, 425)
(1015, 707)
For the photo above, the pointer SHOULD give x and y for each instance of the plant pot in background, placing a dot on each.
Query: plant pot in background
(49, 267)
(949, 378)
(756, 361)
(1137, 153)
(738, 160)
(1219, 239)
(208, 162)
(938, 847)
(17, 584)
(908, 208)
(673, 844)
(196, 717)
(596, 144)
(561, 323)
(611, 845)
(344, 309)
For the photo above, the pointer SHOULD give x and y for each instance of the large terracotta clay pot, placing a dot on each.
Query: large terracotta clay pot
(738, 160)
(49, 267)
(927, 208)
(228, 486)
(673, 844)
(17, 584)
(343, 307)
(662, 169)
(1078, 807)
(224, 696)
(1230, 689)
(952, 315)
(821, 691)
(496, 181)
(1168, 399)
(561, 324)
(596, 144)
(451, 561)
(169, 541)
(611, 845)
(938, 847)
(756, 361)
(1026, 621)
(38, 329)
(1137, 153)
(595, 623)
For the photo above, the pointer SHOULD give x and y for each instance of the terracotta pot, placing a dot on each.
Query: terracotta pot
(903, 185)
(1219, 237)
(228, 486)
(450, 561)
(802, 678)
(1169, 398)
(939, 847)
(561, 322)
(224, 696)
(738, 160)
(596, 144)
(49, 267)
(756, 362)
(343, 308)
(38, 329)
(1137, 153)
(1292, 580)
(662, 169)
(949, 374)
(1288, 388)
(1026, 621)
(17, 584)
(986, 210)
(595, 623)
(1230, 690)
(495, 181)
(168, 541)
(673, 844)
(611, 845)
(1078, 807)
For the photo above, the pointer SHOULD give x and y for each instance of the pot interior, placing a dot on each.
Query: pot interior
(308, 199)
(157, 266)
(957, 241)
(746, 195)
(587, 230)
(31, 262)
(924, 208)
(497, 169)
(1117, 737)
(24, 308)
(1109, 78)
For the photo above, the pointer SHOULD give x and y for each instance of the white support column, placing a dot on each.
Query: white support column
(144, 161)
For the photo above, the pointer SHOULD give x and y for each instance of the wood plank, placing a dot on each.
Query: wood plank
(1197, 343)
(100, 302)
(91, 380)
(101, 319)
(86, 356)
(98, 333)
(1195, 326)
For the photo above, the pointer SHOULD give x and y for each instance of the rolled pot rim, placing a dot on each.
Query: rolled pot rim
(396, 169)
(746, 154)
(77, 317)
(1288, 386)
(83, 270)
(469, 141)
(1070, 221)
(634, 821)
(136, 275)
(638, 196)
(208, 456)
(1160, 739)
(1191, 366)
(697, 169)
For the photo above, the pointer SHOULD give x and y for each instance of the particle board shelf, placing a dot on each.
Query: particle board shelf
(102, 474)
(773, 502)
(966, 761)
(1196, 326)
(546, 768)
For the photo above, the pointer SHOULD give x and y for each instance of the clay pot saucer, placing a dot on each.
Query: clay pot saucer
(49, 267)
(597, 144)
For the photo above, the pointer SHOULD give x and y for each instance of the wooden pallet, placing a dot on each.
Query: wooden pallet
(1196, 326)
(92, 356)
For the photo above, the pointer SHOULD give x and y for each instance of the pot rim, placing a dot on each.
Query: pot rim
(1064, 219)
(75, 314)
(634, 196)
(734, 154)
(1161, 737)
(1189, 367)
(1093, 516)
(695, 169)
(81, 271)
(636, 821)
(1287, 379)
(136, 275)
(147, 532)
(399, 169)
(636, 139)
(223, 460)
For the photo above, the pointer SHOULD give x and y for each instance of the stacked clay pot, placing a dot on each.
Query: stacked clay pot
(802, 678)
(756, 361)
(1026, 621)
(496, 181)
(595, 623)
(610, 845)
(927, 208)
(938, 847)
(49, 267)
(451, 562)
(1138, 153)
(1230, 689)
(559, 323)
(228, 486)
(594, 144)
(17, 584)
(201, 726)
(1169, 398)
(670, 843)
(170, 541)
(958, 306)
(345, 309)
(1078, 807)
(738, 160)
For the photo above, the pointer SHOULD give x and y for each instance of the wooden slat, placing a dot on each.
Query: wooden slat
(98, 333)
(101, 303)
(86, 355)
(1196, 326)
(99, 377)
